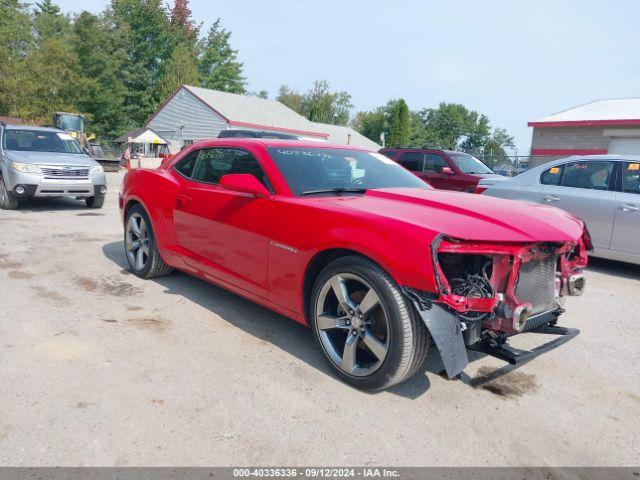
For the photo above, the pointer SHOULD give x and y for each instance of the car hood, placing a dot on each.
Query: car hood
(51, 158)
(467, 216)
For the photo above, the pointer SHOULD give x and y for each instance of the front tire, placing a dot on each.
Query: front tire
(97, 201)
(140, 246)
(7, 200)
(367, 330)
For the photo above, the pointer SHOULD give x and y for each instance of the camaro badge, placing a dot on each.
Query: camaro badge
(283, 246)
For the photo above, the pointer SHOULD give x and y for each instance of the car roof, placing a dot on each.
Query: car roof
(419, 149)
(276, 142)
(32, 127)
(595, 158)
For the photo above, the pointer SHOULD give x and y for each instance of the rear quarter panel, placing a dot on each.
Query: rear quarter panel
(156, 190)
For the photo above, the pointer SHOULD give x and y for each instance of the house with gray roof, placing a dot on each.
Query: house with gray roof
(194, 113)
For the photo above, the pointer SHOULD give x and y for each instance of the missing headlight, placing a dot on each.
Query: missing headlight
(468, 276)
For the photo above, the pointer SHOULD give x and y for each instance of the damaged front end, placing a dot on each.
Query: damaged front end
(488, 292)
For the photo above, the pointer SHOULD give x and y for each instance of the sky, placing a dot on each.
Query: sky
(514, 60)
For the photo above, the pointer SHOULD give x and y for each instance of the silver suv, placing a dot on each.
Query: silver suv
(46, 162)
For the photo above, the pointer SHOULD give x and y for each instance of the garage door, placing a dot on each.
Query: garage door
(624, 146)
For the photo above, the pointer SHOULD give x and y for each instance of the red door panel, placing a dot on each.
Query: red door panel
(225, 233)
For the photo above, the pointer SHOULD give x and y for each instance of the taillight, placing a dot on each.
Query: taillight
(480, 189)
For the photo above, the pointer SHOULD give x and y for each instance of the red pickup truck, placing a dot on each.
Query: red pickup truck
(444, 169)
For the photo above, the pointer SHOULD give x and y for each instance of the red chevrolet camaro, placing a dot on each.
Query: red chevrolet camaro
(350, 243)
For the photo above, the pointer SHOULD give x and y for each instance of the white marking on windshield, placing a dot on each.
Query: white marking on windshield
(308, 153)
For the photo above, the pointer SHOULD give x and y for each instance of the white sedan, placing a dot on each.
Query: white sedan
(602, 190)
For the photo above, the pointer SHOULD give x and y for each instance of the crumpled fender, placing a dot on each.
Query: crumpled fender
(445, 330)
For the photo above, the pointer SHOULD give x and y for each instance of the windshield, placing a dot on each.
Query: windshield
(70, 122)
(320, 170)
(469, 164)
(25, 140)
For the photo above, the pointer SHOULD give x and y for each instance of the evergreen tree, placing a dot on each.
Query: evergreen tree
(49, 22)
(102, 60)
(399, 124)
(219, 66)
(182, 69)
(143, 30)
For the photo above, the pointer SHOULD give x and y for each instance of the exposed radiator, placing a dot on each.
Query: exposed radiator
(536, 284)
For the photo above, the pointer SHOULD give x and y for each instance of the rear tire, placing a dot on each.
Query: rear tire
(140, 246)
(7, 200)
(96, 201)
(371, 337)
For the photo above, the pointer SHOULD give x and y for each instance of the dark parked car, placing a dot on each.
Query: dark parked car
(444, 169)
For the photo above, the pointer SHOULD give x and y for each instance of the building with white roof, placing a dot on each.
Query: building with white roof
(599, 127)
(194, 113)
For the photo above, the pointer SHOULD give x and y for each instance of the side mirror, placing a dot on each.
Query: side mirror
(245, 183)
(446, 171)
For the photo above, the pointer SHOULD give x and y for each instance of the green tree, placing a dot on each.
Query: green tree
(290, 98)
(143, 31)
(399, 124)
(495, 149)
(49, 22)
(417, 131)
(371, 124)
(478, 133)
(219, 66)
(182, 69)
(446, 125)
(103, 60)
(16, 41)
(54, 81)
(454, 126)
(320, 104)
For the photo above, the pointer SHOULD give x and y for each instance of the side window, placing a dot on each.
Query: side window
(591, 175)
(631, 178)
(213, 163)
(388, 154)
(185, 166)
(434, 163)
(412, 161)
(552, 175)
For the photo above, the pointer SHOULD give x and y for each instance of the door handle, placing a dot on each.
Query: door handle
(629, 208)
(183, 199)
(551, 198)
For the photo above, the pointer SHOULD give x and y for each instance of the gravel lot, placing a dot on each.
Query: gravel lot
(100, 368)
